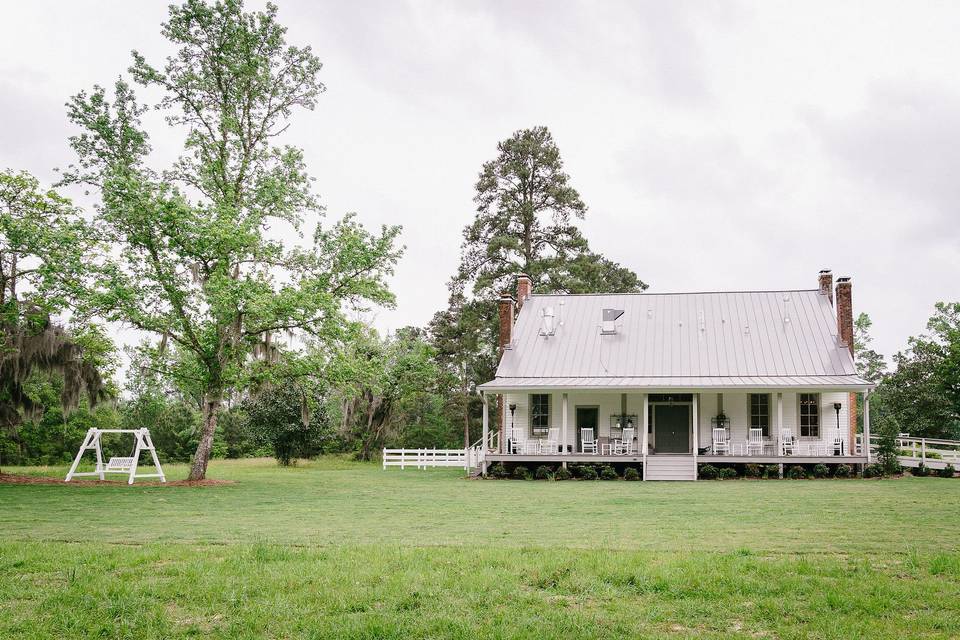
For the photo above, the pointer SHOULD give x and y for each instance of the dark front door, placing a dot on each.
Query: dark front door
(587, 418)
(671, 423)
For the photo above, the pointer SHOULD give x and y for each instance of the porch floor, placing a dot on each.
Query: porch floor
(713, 459)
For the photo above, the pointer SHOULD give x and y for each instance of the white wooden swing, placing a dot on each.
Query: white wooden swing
(128, 466)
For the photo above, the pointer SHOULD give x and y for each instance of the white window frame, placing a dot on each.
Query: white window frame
(800, 426)
(543, 431)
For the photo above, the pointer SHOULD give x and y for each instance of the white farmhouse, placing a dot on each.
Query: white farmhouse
(668, 381)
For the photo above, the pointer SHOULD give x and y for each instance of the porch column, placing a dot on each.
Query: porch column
(485, 443)
(696, 431)
(644, 428)
(779, 451)
(563, 424)
(866, 424)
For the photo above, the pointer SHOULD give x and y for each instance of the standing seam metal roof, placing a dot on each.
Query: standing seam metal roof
(750, 334)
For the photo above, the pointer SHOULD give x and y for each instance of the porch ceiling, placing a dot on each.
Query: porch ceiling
(840, 383)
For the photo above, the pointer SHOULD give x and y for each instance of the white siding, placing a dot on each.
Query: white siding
(737, 408)
(607, 403)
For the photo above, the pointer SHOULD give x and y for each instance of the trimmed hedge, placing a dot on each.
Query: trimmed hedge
(520, 472)
(708, 472)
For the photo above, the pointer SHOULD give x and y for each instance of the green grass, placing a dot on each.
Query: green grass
(339, 549)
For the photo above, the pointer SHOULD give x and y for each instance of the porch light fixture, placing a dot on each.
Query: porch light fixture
(836, 407)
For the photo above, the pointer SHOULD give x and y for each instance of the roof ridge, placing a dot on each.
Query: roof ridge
(671, 293)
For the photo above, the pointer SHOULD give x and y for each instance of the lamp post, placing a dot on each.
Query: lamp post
(513, 408)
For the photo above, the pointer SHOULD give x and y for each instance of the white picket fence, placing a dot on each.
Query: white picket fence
(469, 458)
(930, 452)
(422, 458)
(933, 453)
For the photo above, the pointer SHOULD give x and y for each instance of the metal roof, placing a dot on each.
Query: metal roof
(717, 339)
(692, 382)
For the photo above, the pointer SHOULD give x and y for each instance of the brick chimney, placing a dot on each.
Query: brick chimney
(845, 312)
(826, 283)
(845, 332)
(506, 308)
(524, 289)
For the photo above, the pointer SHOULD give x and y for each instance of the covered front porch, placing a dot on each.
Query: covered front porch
(681, 427)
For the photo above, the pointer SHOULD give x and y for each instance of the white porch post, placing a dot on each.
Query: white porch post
(866, 424)
(644, 428)
(696, 431)
(779, 422)
(485, 443)
(563, 423)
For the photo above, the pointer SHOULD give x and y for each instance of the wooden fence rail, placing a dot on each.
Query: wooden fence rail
(932, 453)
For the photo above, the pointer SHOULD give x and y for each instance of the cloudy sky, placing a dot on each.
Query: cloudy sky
(718, 145)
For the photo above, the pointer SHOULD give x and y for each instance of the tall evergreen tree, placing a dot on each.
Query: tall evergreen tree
(525, 222)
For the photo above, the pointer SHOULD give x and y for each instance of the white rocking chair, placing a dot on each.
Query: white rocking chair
(755, 442)
(588, 443)
(550, 444)
(838, 443)
(623, 446)
(787, 442)
(721, 442)
(515, 440)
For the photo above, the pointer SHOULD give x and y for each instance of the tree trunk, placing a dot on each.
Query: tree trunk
(211, 410)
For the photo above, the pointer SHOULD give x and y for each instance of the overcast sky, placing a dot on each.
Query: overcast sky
(718, 145)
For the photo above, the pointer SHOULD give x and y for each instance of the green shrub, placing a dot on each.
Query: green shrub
(631, 473)
(946, 472)
(562, 474)
(728, 473)
(872, 471)
(543, 472)
(499, 471)
(842, 471)
(520, 472)
(772, 472)
(796, 472)
(708, 472)
(608, 473)
(820, 471)
(753, 471)
(921, 472)
(587, 472)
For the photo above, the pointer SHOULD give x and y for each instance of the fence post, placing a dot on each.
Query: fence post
(923, 451)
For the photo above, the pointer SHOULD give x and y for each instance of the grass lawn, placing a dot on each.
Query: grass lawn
(338, 549)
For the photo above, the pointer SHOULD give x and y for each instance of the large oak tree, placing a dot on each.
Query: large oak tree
(197, 259)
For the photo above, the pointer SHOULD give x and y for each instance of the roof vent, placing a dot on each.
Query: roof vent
(608, 326)
(549, 326)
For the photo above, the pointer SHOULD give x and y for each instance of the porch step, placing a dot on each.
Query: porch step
(671, 467)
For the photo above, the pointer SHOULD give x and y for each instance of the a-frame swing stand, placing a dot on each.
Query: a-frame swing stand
(128, 466)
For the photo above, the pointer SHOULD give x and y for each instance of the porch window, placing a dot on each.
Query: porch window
(760, 412)
(539, 414)
(809, 415)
